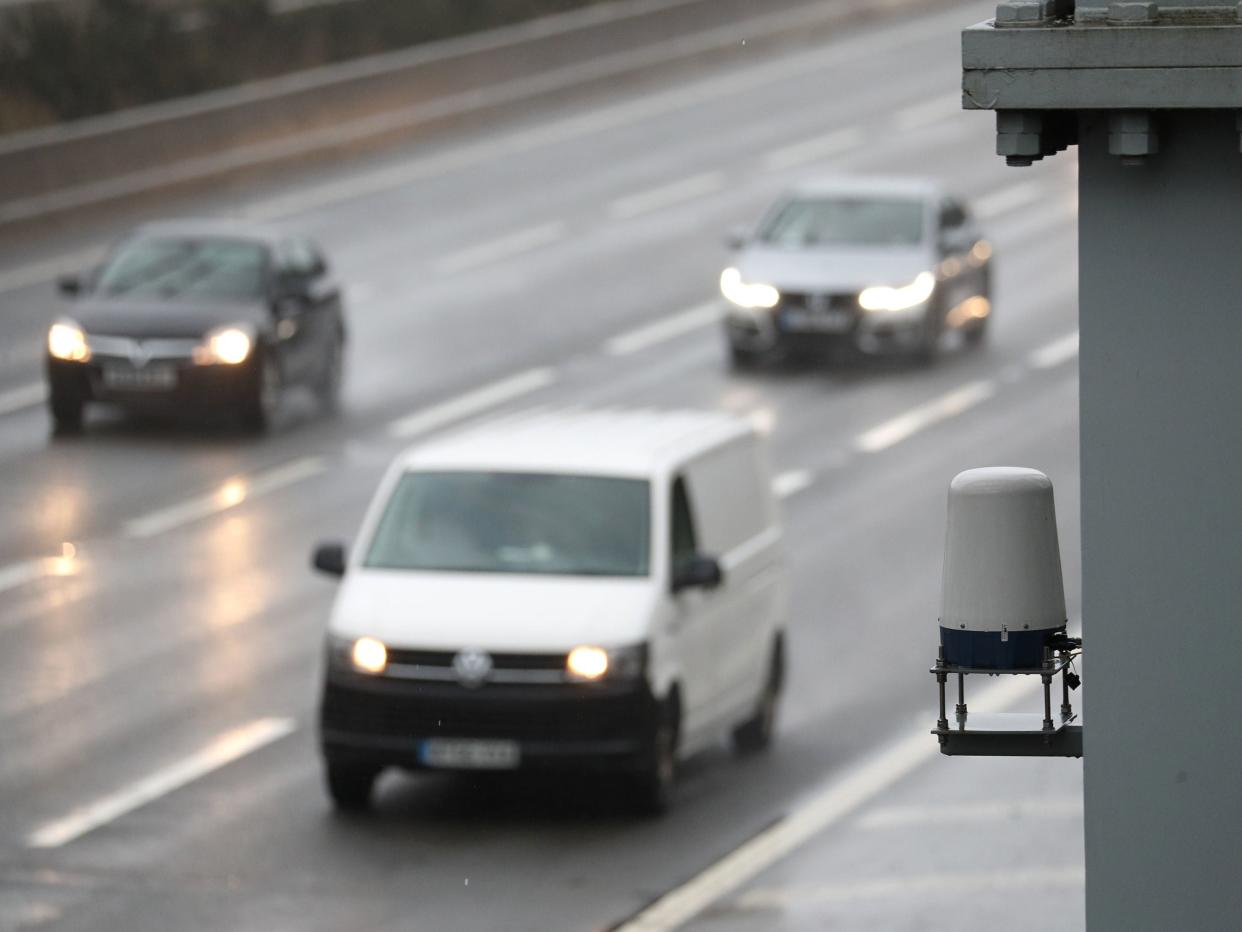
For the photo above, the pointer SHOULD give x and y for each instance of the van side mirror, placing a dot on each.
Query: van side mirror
(69, 285)
(329, 559)
(700, 572)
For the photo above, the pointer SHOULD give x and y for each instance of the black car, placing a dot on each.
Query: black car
(206, 315)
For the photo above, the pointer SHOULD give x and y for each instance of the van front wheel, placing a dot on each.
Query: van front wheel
(657, 776)
(350, 785)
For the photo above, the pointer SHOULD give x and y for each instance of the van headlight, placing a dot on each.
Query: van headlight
(901, 298)
(361, 655)
(588, 663)
(229, 346)
(749, 295)
(67, 340)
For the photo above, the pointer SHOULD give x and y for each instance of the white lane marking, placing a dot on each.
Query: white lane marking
(226, 749)
(37, 273)
(229, 495)
(663, 330)
(906, 425)
(653, 199)
(1000, 810)
(792, 482)
(1055, 353)
(1008, 199)
(472, 402)
(928, 111)
(19, 399)
(18, 574)
(504, 247)
(814, 149)
(902, 887)
(28, 571)
(829, 804)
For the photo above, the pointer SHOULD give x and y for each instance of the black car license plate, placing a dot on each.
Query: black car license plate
(144, 379)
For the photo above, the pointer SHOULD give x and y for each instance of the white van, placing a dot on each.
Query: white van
(583, 589)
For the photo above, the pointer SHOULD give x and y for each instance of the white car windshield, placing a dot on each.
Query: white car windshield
(488, 522)
(812, 222)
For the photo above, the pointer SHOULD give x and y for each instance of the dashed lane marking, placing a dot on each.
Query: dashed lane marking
(232, 493)
(509, 246)
(662, 330)
(677, 192)
(1053, 354)
(1008, 199)
(904, 426)
(472, 402)
(928, 112)
(814, 149)
(225, 749)
(790, 483)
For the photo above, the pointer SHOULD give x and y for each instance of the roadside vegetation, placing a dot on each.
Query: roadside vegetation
(67, 59)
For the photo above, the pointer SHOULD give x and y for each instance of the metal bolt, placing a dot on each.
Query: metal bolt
(1132, 135)
(1025, 12)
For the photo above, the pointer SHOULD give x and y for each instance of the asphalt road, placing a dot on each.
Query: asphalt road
(157, 762)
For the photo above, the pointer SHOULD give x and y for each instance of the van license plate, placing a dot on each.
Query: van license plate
(469, 755)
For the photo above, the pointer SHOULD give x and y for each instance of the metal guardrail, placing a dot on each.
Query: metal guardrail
(363, 103)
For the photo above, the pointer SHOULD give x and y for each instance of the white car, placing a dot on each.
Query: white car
(581, 589)
(880, 265)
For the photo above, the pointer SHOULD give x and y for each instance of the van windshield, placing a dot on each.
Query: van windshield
(489, 522)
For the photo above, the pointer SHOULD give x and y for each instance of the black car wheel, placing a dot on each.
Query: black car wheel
(260, 410)
(976, 334)
(756, 733)
(350, 785)
(657, 777)
(66, 411)
(328, 385)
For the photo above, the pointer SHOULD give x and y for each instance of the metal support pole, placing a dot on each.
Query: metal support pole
(1066, 709)
(941, 679)
(961, 697)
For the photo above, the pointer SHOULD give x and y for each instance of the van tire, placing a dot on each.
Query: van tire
(757, 732)
(350, 785)
(656, 779)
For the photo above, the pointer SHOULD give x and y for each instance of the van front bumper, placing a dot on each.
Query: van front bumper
(385, 721)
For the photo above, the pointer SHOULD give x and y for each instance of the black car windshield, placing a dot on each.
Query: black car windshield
(500, 522)
(212, 268)
(844, 221)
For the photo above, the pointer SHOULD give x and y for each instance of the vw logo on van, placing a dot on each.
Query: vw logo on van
(472, 666)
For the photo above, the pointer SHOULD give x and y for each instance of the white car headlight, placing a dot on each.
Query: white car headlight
(66, 340)
(886, 298)
(227, 346)
(747, 294)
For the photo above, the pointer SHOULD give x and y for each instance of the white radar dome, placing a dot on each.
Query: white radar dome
(1003, 596)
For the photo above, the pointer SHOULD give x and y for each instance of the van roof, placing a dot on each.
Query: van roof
(611, 442)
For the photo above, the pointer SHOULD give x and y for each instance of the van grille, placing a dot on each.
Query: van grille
(423, 710)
